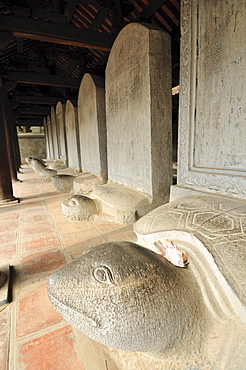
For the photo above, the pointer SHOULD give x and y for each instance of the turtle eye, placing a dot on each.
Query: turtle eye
(103, 275)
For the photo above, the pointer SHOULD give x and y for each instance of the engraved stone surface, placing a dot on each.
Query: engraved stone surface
(212, 131)
(138, 120)
(60, 119)
(92, 125)
(138, 111)
(127, 297)
(63, 183)
(78, 207)
(49, 138)
(54, 131)
(31, 145)
(218, 222)
(72, 135)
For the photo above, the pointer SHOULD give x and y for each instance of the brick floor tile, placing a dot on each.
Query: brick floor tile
(34, 217)
(39, 242)
(59, 218)
(7, 253)
(35, 312)
(8, 215)
(53, 351)
(55, 208)
(6, 238)
(76, 251)
(73, 227)
(77, 239)
(105, 226)
(8, 225)
(4, 318)
(33, 210)
(126, 233)
(37, 228)
(54, 203)
(26, 203)
(41, 262)
(3, 351)
(30, 192)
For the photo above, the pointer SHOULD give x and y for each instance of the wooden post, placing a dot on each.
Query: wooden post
(6, 190)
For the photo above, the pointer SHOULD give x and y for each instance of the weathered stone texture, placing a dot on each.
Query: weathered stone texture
(46, 138)
(127, 297)
(31, 145)
(92, 125)
(218, 222)
(60, 119)
(53, 124)
(63, 183)
(72, 135)
(77, 207)
(212, 129)
(50, 139)
(138, 110)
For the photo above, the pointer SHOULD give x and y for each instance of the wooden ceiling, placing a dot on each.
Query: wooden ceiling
(46, 46)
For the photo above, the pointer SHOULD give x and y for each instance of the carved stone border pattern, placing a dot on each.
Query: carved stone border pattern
(189, 176)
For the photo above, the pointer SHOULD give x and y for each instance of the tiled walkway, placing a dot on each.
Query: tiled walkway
(37, 239)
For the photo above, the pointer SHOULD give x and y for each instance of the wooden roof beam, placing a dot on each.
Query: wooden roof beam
(42, 100)
(150, 9)
(33, 111)
(30, 122)
(56, 33)
(37, 79)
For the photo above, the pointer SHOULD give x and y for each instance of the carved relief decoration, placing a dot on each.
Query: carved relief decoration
(191, 173)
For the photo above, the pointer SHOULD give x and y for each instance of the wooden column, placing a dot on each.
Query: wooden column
(6, 190)
(8, 133)
(15, 141)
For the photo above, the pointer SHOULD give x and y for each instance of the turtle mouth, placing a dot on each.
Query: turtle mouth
(72, 315)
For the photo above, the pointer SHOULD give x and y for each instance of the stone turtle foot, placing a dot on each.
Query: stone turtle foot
(78, 207)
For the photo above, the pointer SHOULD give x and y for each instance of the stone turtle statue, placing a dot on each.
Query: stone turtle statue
(128, 297)
(36, 164)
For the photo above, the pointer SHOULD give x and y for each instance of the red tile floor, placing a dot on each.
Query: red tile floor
(37, 239)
